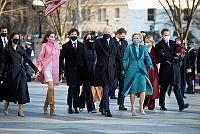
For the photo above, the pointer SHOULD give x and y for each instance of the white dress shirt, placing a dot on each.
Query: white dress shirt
(4, 40)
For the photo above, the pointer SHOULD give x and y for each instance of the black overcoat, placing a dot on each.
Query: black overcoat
(1, 49)
(89, 67)
(185, 65)
(192, 58)
(74, 62)
(14, 87)
(168, 73)
(198, 61)
(106, 62)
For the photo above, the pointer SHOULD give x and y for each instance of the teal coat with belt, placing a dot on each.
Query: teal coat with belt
(136, 78)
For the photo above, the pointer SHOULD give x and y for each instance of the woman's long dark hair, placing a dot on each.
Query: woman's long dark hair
(85, 37)
(11, 37)
(47, 34)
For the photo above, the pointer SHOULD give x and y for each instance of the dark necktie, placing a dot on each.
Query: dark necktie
(109, 48)
(4, 41)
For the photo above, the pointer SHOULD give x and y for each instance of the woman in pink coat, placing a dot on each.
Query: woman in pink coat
(48, 64)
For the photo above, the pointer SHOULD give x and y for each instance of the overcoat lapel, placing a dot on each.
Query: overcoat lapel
(134, 51)
(141, 49)
(104, 47)
(112, 45)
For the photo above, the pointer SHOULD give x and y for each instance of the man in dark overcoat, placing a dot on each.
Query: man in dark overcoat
(192, 55)
(108, 53)
(120, 38)
(3, 42)
(73, 53)
(169, 73)
(198, 63)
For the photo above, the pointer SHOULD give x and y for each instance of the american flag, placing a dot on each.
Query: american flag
(52, 5)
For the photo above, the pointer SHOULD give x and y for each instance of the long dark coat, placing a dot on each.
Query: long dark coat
(14, 87)
(192, 58)
(89, 68)
(153, 75)
(185, 65)
(168, 73)
(1, 49)
(106, 62)
(198, 61)
(74, 62)
(122, 48)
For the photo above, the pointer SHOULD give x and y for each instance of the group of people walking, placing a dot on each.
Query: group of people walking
(100, 62)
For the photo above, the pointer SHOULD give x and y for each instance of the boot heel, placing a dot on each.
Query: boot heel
(52, 112)
(5, 110)
(20, 111)
(45, 108)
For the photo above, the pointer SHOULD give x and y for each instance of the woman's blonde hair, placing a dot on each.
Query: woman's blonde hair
(150, 38)
(140, 36)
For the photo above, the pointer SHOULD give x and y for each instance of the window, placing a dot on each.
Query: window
(151, 14)
(83, 14)
(116, 12)
(104, 14)
(99, 15)
(89, 14)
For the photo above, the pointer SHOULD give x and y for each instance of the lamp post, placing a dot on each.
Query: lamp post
(39, 3)
(107, 20)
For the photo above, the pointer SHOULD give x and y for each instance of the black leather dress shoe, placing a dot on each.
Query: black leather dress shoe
(113, 97)
(76, 111)
(70, 111)
(122, 108)
(108, 114)
(163, 108)
(184, 107)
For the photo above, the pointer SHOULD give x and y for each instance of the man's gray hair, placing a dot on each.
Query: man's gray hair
(108, 26)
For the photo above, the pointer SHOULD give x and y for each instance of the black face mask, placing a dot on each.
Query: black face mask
(16, 41)
(106, 36)
(3, 34)
(122, 39)
(74, 38)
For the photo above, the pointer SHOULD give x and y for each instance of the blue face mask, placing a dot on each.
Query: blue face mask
(136, 41)
(16, 41)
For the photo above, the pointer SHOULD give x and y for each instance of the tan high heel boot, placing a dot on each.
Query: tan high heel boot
(20, 111)
(5, 110)
(51, 102)
(46, 103)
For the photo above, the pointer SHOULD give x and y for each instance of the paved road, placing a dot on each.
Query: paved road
(159, 122)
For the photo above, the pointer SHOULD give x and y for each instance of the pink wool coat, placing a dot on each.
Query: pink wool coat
(49, 52)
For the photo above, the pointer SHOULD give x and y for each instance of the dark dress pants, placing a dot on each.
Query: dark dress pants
(73, 95)
(150, 103)
(105, 98)
(190, 86)
(120, 100)
(86, 96)
(177, 92)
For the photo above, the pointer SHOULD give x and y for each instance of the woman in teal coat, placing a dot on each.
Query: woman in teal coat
(136, 78)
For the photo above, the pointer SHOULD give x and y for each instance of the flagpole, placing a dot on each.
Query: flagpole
(78, 3)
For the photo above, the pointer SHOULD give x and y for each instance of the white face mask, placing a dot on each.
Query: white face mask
(166, 38)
